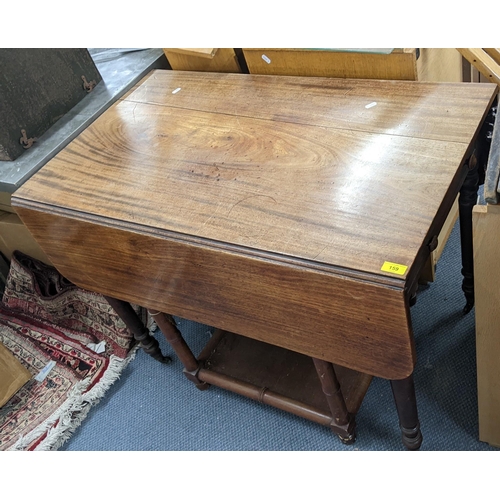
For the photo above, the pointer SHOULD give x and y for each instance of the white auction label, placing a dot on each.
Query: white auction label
(45, 371)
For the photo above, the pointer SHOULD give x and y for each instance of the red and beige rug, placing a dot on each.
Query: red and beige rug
(52, 328)
(40, 291)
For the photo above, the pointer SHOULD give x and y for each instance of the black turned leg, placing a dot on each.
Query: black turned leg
(466, 202)
(468, 198)
(138, 329)
(343, 423)
(406, 405)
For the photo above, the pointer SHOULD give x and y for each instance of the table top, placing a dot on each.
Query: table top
(263, 205)
(345, 173)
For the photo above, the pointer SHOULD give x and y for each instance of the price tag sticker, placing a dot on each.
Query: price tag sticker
(45, 371)
(391, 267)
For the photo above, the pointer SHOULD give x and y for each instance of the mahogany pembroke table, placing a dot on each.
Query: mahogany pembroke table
(292, 214)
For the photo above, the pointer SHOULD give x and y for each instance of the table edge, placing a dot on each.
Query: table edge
(394, 282)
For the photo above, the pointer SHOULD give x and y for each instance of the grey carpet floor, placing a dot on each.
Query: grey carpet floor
(154, 407)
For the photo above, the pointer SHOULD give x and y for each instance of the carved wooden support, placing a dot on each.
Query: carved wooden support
(173, 336)
(468, 198)
(138, 329)
(466, 202)
(343, 423)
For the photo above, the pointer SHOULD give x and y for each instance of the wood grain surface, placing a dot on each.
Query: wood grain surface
(427, 110)
(208, 53)
(398, 65)
(494, 54)
(263, 205)
(295, 167)
(486, 220)
(311, 310)
(223, 60)
(435, 65)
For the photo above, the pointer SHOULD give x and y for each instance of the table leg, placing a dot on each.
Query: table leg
(138, 329)
(343, 423)
(169, 329)
(468, 198)
(406, 405)
(466, 202)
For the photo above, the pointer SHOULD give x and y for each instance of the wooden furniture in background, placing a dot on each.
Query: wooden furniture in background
(5, 204)
(486, 220)
(439, 65)
(486, 61)
(295, 212)
(208, 53)
(218, 60)
(487, 278)
(13, 375)
(14, 235)
(400, 64)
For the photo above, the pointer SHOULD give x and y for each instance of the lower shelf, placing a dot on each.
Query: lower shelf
(275, 376)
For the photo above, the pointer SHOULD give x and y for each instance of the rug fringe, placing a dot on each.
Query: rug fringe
(75, 409)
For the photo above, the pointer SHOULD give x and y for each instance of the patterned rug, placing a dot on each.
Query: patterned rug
(51, 325)
(40, 291)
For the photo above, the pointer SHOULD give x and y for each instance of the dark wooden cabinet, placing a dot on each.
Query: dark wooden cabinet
(37, 88)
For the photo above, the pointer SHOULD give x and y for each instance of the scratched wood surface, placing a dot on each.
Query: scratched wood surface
(310, 310)
(306, 168)
(262, 205)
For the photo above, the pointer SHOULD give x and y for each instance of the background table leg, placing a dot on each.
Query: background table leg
(466, 202)
(169, 329)
(344, 424)
(468, 198)
(138, 329)
(406, 405)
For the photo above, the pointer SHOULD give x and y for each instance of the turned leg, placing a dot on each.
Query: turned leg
(466, 202)
(138, 329)
(406, 405)
(169, 329)
(343, 423)
(468, 198)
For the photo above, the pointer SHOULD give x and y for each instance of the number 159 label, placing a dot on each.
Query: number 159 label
(392, 267)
